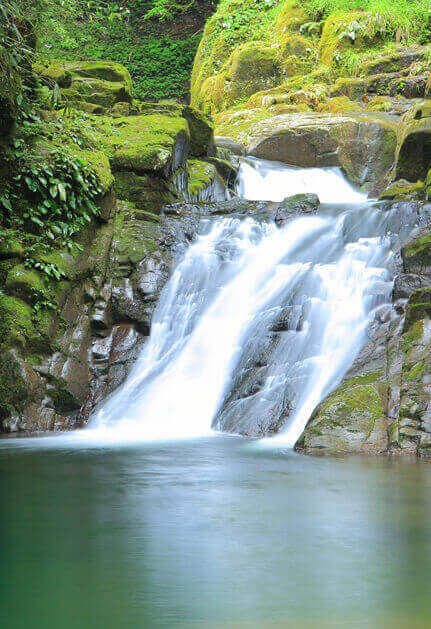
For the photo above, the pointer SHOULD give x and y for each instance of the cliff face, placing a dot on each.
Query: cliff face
(84, 251)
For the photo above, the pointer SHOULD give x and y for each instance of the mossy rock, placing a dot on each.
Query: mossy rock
(11, 248)
(146, 192)
(403, 190)
(296, 45)
(414, 144)
(25, 283)
(143, 143)
(235, 22)
(201, 132)
(99, 92)
(201, 176)
(16, 325)
(354, 88)
(350, 420)
(14, 388)
(395, 61)
(55, 71)
(418, 307)
(290, 18)
(90, 108)
(62, 71)
(338, 105)
(417, 254)
(252, 67)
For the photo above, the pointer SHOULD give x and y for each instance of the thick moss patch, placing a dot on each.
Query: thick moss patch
(143, 143)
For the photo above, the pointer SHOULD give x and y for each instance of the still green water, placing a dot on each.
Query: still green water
(213, 533)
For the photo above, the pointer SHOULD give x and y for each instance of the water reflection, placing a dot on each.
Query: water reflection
(211, 533)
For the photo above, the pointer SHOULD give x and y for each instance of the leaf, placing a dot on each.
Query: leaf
(53, 190)
(36, 220)
(6, 203)
(62, 191)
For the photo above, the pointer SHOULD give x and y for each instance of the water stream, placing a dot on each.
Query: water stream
(258, 323)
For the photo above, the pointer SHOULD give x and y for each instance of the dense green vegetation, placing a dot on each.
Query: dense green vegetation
(407, 18)
(147, 37)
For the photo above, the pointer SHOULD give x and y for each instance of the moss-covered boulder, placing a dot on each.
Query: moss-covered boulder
(146, 192)
(16, 385)
(403, 191)
(291, 17)
(251, 68)
(203, 182)
(347, 86)
(145, 143)
(25, 283)
(98, 83)
(350, 420)
(201, 130)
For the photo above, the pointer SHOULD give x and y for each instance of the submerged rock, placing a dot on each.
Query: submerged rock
(296, 206)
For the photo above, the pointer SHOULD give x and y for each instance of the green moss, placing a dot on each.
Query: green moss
(402, 190)
(201, 131)
(336, 34)
(16, 326)
(418, 307)
(100, 93)
(290, 18)
(340, 104)
(141, 143)
(200, 176)
(235, 22)
(351, 87)
(14, 392)
(239, 124)
(418, 252)
(134, 239)
(54, 70)
(25, 283)
(148, 193)
(98, 162)
(413, 335)
(295, 45)
(417, 372)
(62, 71)
(11, 248)
(61, 396)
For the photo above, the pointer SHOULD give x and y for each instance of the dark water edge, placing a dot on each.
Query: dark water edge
(216, 532)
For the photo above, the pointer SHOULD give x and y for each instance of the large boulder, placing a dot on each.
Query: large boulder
(145, 143)
(98, 83)
(363, 145)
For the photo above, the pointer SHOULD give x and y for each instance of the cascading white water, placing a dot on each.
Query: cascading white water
(260, 179)
(226, 294)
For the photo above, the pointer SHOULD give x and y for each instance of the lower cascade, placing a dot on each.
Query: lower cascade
(259, 321)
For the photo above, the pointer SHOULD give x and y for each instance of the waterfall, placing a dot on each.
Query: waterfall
(258, 323)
